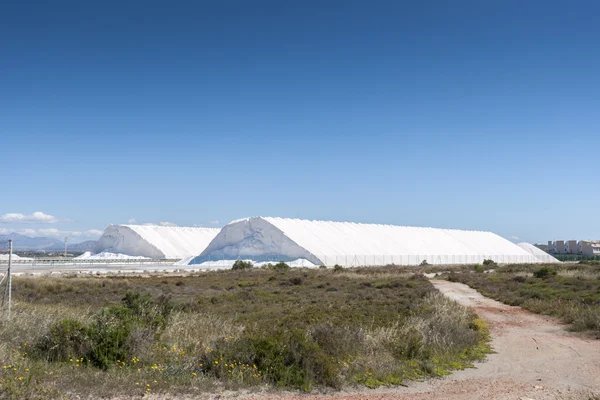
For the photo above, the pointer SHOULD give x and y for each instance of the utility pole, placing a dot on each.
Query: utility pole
(66, 240)
(9, 277)
(8, 287)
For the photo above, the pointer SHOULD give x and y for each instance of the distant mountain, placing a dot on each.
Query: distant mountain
(22, 242)
(82, 247)
(26, 243)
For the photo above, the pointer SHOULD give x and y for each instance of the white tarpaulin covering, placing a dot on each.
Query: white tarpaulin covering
(155, 241)
(352, 244)
(538, 253)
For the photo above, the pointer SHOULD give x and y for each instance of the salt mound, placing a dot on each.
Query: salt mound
(299, 263)
(173, 242)
(84, 256)
(355, 244)
(540, 254)
(105, 255)
(185, 261)
(4, 257)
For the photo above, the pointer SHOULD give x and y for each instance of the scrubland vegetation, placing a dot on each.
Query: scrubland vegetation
(568, 291)
(245, 328)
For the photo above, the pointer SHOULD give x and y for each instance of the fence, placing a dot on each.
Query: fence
(60, 262)
(434, 259)
(370, 260)
(576, 257)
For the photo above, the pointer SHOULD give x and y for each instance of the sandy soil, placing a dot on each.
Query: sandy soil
(535, 359)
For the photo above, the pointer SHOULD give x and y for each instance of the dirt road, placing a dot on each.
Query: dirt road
(536, 359)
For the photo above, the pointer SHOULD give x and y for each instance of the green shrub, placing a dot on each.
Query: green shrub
(296, 281)
(148, 312)
(280, 266)
(108, 338)
(337, 268)
(241, 265)
(66, 339)
(479, 268)
(544, 272)
(490, 263)
(286, 359)
(110, 335)
(337, 341)
(408, 346)
(424, 263)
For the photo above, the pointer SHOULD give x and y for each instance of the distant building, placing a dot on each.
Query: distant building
(571, 247)
(558, 247)
(585, 247)
(589, 247)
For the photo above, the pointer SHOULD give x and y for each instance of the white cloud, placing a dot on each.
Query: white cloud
(36, 217)
(215, 222)
(93, 233)
(48, 232)
(166, 223)
(131, 221)
(514, 238)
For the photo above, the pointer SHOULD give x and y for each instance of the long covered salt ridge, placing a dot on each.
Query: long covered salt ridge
(352, 244)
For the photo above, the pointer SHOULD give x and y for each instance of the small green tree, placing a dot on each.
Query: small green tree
(241, 265)
(337, 268)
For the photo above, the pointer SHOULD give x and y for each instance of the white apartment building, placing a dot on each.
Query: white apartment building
(589, 247)
(586, 247)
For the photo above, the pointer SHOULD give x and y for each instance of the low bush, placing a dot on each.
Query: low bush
(337, 268)
(478, 268)
(109, 333)
(280, 266)
(64, 339)
(287, 358)
(241, 265)
(544, 272)
(296, 280)
(490, 263)
(108, 337)
(589, 262)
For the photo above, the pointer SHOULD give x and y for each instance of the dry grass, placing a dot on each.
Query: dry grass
(243, 329)
(200, 331)
(572, 293)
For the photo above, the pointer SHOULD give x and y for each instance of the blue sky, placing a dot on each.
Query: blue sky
(465, 114)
